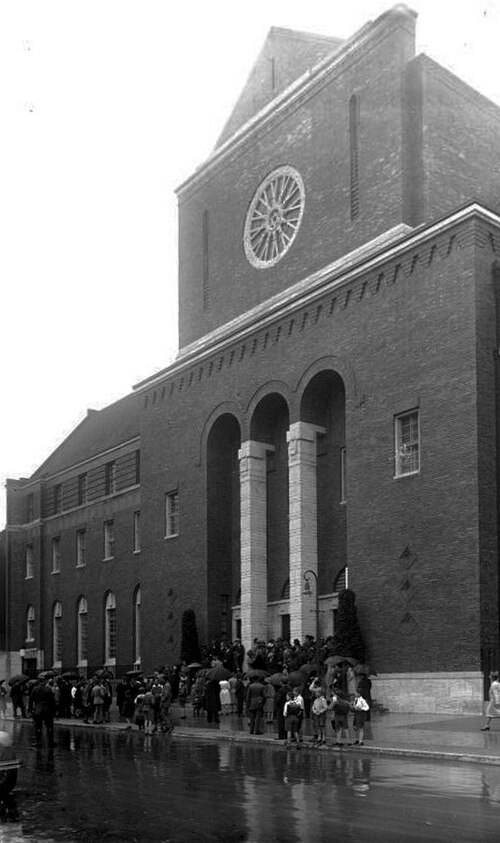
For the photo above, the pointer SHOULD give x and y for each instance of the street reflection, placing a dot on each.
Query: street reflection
(127, 786)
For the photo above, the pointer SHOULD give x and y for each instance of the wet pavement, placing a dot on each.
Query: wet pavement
(207, 784)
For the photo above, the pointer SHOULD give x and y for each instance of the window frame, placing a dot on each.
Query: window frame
(110, 638)
(29, 561)
(56, 555)
(83, 488)
(137, 531)
(110, 478)
(399, 445)
(109, 541)
(82, 612)
(30, 623)
(81, 547)
(172, 514)
(57, 634)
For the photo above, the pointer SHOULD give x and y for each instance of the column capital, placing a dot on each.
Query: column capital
(253, 449)
(304, 430)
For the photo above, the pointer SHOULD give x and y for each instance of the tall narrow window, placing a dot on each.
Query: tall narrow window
(83, 627)
(57, 498)
(109, 539)
(82, 489)
(354, 154)
(110, 478)
(172, 514)
(81, 548)
(57, 635)
(206, 267)
(110, 643)
(407, 443)
(30, 624)
(137, 626)
(137, 466)
(29, 508)
(343, 476)
(56, 555)
(29, 561)
(137, 531)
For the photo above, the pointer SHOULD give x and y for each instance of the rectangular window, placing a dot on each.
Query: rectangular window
(29, 508)
(57, 498)
(110, 478)
(407, 443)
(56, 555)
(29, 562)
(81, 548)
(343, 475)
(137, 466)
(172, 514)
(83, 489)
(137, 532)
(109, 539)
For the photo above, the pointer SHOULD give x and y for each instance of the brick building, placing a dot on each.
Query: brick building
(333, 405)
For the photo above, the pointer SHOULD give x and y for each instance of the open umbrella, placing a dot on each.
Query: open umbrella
(218, 673)
(277, 678)
(133, 673)
(333, 660)
(18, 678)
(70, 674)
(296, 678)
(258, 674)
(47, 674)
(193, 665)
(364, 669)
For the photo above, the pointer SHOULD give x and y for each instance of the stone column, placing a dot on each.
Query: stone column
(253, 503)
(301, 439)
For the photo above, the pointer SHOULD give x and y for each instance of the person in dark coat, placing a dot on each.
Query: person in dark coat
(255, 705)
(279, 702)
(212, 701)
(44, 709)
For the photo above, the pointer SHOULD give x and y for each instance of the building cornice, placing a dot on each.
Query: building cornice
(390, 246)
(302, 87)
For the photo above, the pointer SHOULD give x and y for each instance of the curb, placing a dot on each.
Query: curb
(264, 740)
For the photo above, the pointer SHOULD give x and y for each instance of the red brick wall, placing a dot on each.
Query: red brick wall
(313, 138)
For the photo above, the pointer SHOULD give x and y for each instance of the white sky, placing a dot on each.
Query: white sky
(105, 107)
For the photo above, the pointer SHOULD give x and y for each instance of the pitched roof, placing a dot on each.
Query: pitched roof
(286, 55)
(99, 431)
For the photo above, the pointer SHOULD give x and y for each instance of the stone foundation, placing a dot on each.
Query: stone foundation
(430, 693)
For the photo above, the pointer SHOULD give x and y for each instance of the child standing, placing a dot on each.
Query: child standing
(340, 707)
(291, 711)
(148, 711)
(360, 707)
(319, 709)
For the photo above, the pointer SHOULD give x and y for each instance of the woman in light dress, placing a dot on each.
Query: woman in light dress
(493, 709)
(225, 696)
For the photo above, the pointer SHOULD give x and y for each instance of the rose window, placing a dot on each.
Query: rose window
(274, 217)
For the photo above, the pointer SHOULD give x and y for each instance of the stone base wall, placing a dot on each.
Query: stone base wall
(430, 693)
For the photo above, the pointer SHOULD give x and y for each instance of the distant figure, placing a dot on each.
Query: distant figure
(255, 705)
(493, 709)
(17, 699)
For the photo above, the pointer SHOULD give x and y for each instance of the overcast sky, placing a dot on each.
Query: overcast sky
(106, 107)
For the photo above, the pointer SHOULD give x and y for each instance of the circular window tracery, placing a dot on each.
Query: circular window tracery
(274, 217)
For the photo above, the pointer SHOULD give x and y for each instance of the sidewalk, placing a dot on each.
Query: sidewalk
(449, 737)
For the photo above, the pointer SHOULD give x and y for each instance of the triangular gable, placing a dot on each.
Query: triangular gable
(99, 431)
(285, 56)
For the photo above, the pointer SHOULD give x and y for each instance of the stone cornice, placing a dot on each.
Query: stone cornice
(302, 87)
(367, 260)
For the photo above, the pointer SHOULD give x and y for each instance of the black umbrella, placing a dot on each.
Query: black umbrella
(277, 678)
(18, 678)
(218, 673)
(47, 674)
(133, 673)
(258, 674)
(193, 665)
(70, 674)
(364, 669)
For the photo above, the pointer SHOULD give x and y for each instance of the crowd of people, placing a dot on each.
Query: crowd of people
(277, 683)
